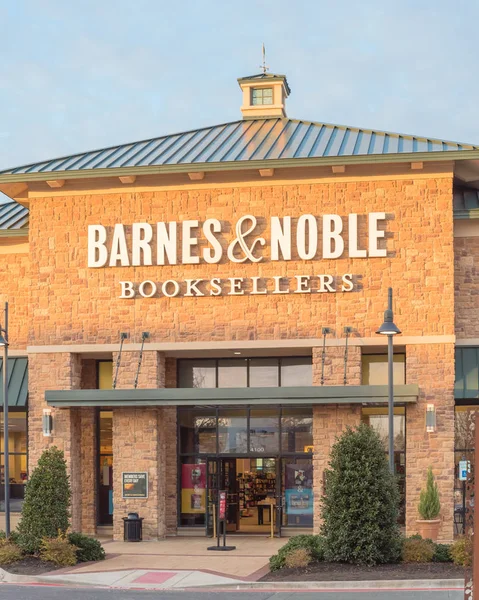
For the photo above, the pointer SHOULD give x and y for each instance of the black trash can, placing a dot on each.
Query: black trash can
(132, 528)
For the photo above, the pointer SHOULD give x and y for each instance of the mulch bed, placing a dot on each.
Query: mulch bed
(30, 565)
(324, 571)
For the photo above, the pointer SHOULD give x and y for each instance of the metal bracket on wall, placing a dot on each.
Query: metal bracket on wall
(326, 331)
(145, 335)
(123, 337)
(347, 331)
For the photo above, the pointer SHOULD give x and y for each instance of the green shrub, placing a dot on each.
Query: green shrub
(429, 505)
(88, 549)
(9, 553)
(58, 551)
(442, 553)
(299, 558)
(13, 536)
(361, 501)
(461, 551)
(314, 544)
(46, 507)
(417, 550)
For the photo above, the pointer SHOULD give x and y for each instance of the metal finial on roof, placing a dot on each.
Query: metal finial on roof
(264, 66)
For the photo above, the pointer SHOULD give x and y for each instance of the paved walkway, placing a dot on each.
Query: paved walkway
(248, 562)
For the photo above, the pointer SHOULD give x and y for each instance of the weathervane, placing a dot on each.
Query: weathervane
(264, 65)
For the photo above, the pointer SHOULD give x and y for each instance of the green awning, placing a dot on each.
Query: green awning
(348, 394)
(17, 382)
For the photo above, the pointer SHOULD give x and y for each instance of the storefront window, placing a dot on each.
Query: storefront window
(193, 492)
(197, 431)
(105, 374)
(232, 431)
(467, 373)
(245, 372)
(263, 372)
(105, 467)
(264, 431)
(296, 371)
(17, 446)
(232, 373)
(197, 374)
(375, 369)
(296, 430)
(377, 418)
(297, 480)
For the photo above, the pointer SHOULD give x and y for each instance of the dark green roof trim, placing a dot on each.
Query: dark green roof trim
(353, 394)
(245, 165)
(13, 232)
(17, 382)
(467, 214)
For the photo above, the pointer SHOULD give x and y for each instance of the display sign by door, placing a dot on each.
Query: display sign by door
(222, 514)
(134, 485)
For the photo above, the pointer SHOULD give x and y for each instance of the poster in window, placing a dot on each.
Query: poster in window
(299, 491)
(193, 489)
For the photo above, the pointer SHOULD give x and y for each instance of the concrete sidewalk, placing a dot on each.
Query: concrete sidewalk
(249, 562)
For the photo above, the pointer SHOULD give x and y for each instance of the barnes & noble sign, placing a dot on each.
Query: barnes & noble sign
(191, 242)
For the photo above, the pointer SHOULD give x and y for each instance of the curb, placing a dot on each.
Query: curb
(390, 584)
(6, 577)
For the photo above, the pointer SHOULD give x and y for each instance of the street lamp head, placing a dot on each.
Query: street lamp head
(3, 341)
(388, 327)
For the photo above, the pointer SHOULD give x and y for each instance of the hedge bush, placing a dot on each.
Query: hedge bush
(361, 501)
(299, 558)
(88, 549)
(442, 553)
(9, 553)
(59, 551)
(461, 551)
(45, 510)
(313, 544)
(417, 550)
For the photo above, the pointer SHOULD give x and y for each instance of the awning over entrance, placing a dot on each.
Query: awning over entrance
(17, 382)
(351, 394)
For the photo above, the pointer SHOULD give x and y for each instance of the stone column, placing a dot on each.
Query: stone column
(329, 420)
(139, 444)
(56, 371)
(431, 366)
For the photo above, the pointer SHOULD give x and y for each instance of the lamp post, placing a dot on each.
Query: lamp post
(390, 329)
(6, 457)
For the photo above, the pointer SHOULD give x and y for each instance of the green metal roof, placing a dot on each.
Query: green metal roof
(17, 382)
(275, 142)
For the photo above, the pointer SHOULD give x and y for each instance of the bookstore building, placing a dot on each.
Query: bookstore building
(198, 312)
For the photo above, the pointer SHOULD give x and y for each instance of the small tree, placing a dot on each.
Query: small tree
(429, 504)
(46, 510)
(361, 501)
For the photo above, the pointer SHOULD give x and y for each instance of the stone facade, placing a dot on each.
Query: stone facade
(466, 277)
(57, 301)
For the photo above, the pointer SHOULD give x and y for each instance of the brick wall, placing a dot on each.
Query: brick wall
(15, 288)
(432, 367)
(466, 280)
(329, 420)
(72, 303)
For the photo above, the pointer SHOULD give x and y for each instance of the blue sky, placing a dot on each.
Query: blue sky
(83, 75)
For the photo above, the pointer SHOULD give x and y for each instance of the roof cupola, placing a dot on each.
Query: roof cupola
(264, 94)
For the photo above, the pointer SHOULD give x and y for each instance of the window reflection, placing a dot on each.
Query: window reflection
(197, 431)
(375, 369)
(197, 374)
(296, 430)
(232, 373)
(17, 447)
(232, 431)
(264, 430)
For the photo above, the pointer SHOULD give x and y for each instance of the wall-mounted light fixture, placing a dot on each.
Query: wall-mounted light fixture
(430, 418)
(47, 422)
